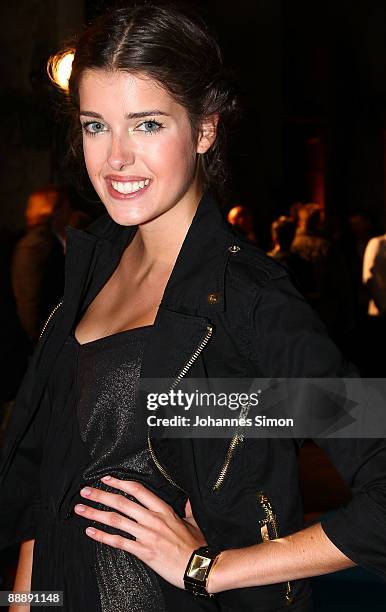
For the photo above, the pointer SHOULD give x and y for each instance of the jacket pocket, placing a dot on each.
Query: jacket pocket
(269, 530)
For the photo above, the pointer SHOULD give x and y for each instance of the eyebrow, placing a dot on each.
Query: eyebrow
(140, 115)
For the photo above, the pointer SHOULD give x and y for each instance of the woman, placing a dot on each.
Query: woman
(159, 287)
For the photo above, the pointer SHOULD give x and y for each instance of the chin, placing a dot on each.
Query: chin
(123, 219)
(129, 217)
(125, 214)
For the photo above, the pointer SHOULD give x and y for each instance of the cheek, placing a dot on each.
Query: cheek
(92, 157)
(173, 157)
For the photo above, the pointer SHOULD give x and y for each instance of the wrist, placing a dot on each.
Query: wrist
(217, 580)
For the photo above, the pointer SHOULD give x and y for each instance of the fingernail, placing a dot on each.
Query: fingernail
(90, 530)
(85, 491)
(80, 508)
(106, 478)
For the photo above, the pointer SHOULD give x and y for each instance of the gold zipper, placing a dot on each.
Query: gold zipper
(193, 357)
(267, 523)
(160, 466)
(177, 380)
(237, 438)
(50, 317)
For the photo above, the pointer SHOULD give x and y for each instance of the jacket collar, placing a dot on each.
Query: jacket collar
(196, 284)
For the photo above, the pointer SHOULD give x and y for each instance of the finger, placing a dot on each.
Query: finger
(188, 509)
(190, 520)
(189, 517)
(117, 501)
(111, 518)
(116, 541)
(140, 492)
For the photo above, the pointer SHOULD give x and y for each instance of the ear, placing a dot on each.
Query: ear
(207, 133)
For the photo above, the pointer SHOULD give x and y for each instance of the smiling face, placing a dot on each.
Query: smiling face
(138, 146)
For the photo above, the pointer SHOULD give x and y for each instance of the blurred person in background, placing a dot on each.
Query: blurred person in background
(14, 343)
(328, 288)
(40, 206)
(374, 275)
(360, 230)
(294, 211)
(283, 232)
(37, 269)
(374, 328)
(242, 220)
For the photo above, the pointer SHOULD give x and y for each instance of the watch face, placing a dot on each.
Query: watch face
(198, 567)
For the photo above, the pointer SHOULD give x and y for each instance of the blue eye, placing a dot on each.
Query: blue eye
(150, 127)
(93, 127)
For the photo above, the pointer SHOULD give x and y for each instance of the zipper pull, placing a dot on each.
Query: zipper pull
(264, 532)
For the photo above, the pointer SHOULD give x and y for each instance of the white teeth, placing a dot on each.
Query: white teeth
(127, 187)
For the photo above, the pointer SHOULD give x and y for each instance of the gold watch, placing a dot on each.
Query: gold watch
(198, 569)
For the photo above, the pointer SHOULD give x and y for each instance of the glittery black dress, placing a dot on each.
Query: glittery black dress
(108, 372)
(92, 399)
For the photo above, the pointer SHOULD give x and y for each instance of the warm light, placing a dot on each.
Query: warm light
(59, 68)
(233, 214)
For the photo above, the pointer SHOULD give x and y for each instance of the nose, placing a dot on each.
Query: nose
(121, 153)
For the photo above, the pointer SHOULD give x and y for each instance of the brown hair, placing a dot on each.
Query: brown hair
(176, 50)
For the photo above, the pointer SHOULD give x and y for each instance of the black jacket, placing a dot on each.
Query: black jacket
(228, 311)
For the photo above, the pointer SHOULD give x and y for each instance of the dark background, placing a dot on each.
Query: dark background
(312, 81)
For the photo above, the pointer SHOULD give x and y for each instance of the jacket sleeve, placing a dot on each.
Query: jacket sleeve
(292, 342)
(20, 484)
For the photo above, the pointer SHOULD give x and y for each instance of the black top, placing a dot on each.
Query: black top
(92, 391)
(91, 403)
(107, 376)
(92, 395)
